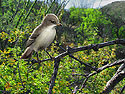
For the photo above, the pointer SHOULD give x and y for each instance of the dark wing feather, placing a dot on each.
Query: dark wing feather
(34, 35)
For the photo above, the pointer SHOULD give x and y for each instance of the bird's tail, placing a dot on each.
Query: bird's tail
(27, 53)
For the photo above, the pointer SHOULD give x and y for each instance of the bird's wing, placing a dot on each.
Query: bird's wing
(34, 35)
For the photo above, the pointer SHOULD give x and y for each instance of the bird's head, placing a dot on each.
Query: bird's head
(51, 19)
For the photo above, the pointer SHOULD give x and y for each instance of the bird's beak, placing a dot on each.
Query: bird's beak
(59, 24)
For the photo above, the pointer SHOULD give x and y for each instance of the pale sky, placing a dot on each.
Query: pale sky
(94, 3)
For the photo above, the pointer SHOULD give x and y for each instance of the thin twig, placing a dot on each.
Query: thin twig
(35, 61)
(19, 74)
(122, 89)
(75, 90)
(70, 55)
(14, 14)
(101, 69)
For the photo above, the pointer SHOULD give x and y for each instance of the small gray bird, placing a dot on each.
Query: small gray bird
(42, 36)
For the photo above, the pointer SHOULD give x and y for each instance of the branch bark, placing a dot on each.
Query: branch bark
(69, 51)
(92, 46)
(52, 81)
(120, 74)
(122, 89)
(104, 67)
(96, 46)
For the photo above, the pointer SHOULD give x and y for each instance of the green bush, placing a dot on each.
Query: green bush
(19, 76)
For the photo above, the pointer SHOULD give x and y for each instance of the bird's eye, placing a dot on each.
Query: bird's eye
(52, 21)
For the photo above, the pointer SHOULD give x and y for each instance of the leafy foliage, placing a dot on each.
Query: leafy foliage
(19, 76)
(94, 25)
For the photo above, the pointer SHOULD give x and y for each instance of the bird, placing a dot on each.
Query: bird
(42, 36)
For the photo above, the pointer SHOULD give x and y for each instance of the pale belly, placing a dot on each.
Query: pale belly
(44, 39)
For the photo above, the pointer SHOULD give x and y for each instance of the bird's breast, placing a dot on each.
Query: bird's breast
(45, 38)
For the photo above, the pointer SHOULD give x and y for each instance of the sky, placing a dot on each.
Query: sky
(94, 3)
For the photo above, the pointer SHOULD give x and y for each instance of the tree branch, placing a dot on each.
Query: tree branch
(69, 51)
(120, 74)
(122, 89)
(70, 55)
(101, 69)
(92, 46)
(97, 46)
(52, 82)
